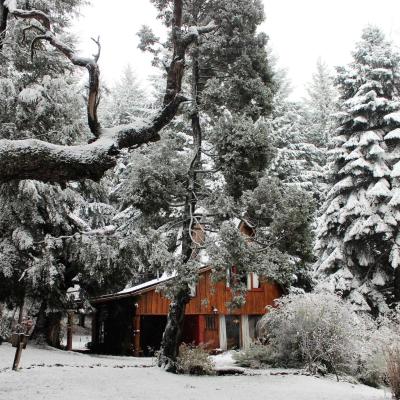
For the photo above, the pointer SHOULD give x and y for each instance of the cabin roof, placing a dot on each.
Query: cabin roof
(138, 289)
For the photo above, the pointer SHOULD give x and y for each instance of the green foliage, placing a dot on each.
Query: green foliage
(158, 178)
(234, 63)
(243, 149)
(236, 60)
(285, 212)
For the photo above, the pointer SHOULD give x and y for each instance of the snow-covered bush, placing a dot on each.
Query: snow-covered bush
(256, 356)
(323, 333)
(194, 360)
(393, 369)
(377, 337)
(318, 331)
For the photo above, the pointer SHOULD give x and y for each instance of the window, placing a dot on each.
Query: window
(255, 284)
(211, 323)
(250, 280)
(233, 277)
(253, 331)
(192, 288)
(228, 277)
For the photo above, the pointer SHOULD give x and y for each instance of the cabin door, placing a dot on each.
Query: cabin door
(232, 331)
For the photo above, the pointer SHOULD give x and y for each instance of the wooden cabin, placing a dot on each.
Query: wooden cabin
(132, 321)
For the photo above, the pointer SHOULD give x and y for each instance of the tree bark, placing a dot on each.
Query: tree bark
(173, 331)
(176, 314)
(48, 327)
(397, 285)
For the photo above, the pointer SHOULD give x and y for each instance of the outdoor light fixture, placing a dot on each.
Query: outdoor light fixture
(214, 310)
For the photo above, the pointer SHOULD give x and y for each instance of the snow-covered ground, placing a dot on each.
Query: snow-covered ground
(59, 375)
(78, 342)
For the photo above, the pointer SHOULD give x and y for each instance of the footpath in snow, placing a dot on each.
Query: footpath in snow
(59, 375)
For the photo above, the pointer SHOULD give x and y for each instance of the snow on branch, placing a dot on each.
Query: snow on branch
(43, 161)
(36, 159)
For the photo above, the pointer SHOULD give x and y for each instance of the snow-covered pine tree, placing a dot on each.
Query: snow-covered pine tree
(357, 228)
(300, 160)
(126, 102)
(43, 251)
(321, 104)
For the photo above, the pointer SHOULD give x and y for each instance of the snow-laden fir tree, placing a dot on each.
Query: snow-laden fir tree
(321, 104)
(301, 157)
(48, 239)
(357, 231)
(126, 101)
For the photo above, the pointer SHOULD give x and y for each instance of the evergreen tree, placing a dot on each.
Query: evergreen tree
(300, 158)
(357, 228)
(321, 103)
(126, 102)
(48, 239)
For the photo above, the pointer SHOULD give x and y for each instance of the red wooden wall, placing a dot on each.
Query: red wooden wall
(153, 303)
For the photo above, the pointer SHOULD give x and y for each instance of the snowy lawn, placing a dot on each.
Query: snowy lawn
(59, 375)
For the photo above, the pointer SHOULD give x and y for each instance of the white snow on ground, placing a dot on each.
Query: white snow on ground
(79, 342)
(59, 375)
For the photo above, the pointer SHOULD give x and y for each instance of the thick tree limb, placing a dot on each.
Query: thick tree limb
(35, 159)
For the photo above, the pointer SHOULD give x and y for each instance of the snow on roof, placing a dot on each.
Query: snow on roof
(164, 277)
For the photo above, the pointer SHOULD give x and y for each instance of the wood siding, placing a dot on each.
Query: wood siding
(152, 302)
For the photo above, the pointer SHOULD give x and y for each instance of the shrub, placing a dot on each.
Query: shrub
(377, 336)
(5, 328)
(318, 331)
(256, 356)
(194, 360)
(393, 369)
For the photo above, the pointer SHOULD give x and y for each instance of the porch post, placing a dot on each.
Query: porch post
(246, 340)
(202, 327)
(136, 336)
(222, 333)
(70, 322)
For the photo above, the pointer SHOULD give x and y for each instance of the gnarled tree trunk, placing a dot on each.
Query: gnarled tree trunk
(176, 314)
(48, 327)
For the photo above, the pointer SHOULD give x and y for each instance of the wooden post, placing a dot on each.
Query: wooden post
(94, 329)
(136, 336)
(18, 351)
(70, 315)
(202, 328)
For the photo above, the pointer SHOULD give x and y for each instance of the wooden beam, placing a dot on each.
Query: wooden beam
(136, 336)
